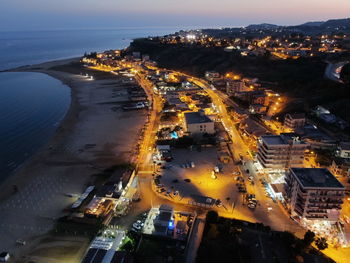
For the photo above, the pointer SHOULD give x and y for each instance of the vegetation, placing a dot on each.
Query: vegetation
(321, 243)
(154, 250)
(309, 237)
(301, 79)
(239, 241)
(65, 226)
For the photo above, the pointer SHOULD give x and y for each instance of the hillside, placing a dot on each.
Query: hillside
(302, 79)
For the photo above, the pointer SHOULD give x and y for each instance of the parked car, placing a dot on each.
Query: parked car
(20, 242)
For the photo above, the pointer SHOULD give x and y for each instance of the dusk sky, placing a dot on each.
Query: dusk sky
(51, 14)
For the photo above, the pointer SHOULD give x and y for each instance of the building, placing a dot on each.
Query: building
(294, 120)
(104, 249)
(198, 122)
(340, 167)
(99, 207)
(314, 194)
(281, 151)
(212, 75)
(344, 150)
(233, 86)
(164, 222)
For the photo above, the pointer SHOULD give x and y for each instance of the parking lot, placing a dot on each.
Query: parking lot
(193, 172)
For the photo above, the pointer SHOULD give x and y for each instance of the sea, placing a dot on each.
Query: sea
(33, 104)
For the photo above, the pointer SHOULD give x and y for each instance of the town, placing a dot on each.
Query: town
(221, 143)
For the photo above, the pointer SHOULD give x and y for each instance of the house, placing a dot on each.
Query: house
(257, 97)
(212, 75)
(233, 86)
(294, 120)
(316, 138)
(257, 109)
(340, 167)
(198, 122)
(344, 150)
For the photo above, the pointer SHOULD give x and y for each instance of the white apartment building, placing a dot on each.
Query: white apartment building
(198, 122)
(279, 152)
(314, 194)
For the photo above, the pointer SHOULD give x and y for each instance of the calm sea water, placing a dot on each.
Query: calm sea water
(31, 107)
(33, 104)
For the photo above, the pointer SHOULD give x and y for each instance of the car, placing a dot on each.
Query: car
(251, 206)
(250, 178)
(20, 242)
(251, 196)
(252, 201)
(137, 226)
(216, 169)
(187, 180)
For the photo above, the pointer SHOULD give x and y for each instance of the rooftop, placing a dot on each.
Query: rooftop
(316, 178)
(196, 117)
(296, 115)
(345, 146)
(282, 139)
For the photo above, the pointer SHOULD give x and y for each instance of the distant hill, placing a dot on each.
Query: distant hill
(263, 26)
(308, 27)
(316, 23)
(332, 23)
(337, 23)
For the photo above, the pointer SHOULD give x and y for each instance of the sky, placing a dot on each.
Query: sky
(65, 14)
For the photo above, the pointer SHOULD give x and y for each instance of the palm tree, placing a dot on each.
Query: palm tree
(321, 243)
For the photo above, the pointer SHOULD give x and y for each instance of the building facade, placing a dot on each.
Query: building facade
(233, 86)
(314, 194)
(344, 150)
(278, 152)
(294, 120)
(198, 122)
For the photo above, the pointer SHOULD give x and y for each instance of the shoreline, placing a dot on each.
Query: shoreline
(94, 134)
(65, 123)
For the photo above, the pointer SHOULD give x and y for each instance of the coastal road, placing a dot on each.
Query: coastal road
(144, 162)
(239, 147)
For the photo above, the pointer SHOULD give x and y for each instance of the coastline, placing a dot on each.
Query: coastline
(93, 135)
(64, 125)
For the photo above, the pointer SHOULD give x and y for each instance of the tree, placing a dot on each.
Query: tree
(321, 243)
(212, 217)
(309, 237)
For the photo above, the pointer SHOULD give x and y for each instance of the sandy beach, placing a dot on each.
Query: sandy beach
(95, 134)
